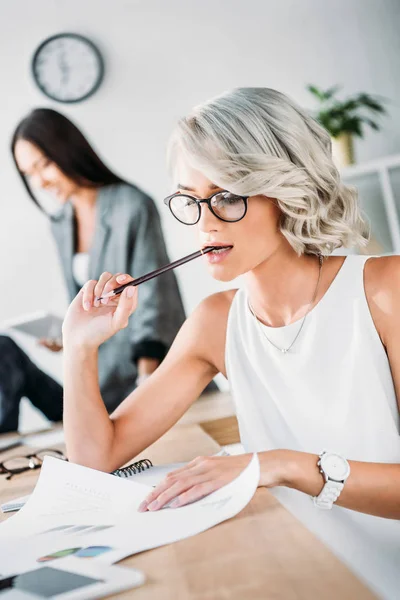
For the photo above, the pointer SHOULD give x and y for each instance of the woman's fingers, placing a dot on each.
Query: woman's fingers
(195, 480)
(126, 306)
(112, 283)
(169, 494)
(51, 344)
(194, 493)
(99, 288)
(177, 482)
(125, 303)
(120, 279)
(88, 294)
(166, 491)
(160, 489)
(199, 464)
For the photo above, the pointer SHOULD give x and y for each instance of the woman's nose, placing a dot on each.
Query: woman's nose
(38, 181)
(208, 221)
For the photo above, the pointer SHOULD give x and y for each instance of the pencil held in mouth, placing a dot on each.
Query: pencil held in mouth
(160, 271)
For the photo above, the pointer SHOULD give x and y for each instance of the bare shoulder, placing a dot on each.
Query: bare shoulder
(382, 275)
(212, 313)
(382, 289)
(216, 305)
(207, 326)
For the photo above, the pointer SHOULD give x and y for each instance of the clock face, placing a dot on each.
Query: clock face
(335, 466)
(67, 67)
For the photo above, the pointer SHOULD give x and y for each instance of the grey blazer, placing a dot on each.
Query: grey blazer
(127, 239)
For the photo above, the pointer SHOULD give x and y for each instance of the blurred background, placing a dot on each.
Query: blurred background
(161, 58)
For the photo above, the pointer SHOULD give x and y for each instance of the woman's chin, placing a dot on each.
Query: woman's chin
(63, 197)
(220, 273)
(59, 197)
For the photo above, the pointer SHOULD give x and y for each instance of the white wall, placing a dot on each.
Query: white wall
(162, 57)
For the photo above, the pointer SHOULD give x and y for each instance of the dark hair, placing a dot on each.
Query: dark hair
(64, 144)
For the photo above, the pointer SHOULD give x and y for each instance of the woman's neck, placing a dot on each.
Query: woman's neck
(84, 203)
(283, 286)
(84, 199)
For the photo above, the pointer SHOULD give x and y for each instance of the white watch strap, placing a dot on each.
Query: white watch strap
(329, 494)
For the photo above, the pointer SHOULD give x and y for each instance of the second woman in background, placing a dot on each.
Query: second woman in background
(103, 224)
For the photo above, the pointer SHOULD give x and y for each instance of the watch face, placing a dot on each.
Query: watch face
(67, 67)
(335, 466)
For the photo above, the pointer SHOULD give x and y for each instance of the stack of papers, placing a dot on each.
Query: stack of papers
(86, 512)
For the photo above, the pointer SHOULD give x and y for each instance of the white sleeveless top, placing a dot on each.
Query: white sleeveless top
(333, 390)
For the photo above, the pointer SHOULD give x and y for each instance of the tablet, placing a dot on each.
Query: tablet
(71, 579)
(38, 325)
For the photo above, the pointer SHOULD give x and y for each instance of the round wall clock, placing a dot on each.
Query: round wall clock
(67, 67)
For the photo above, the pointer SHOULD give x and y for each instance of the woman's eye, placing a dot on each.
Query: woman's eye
(186, 202)
(227, 200)
(231, 199)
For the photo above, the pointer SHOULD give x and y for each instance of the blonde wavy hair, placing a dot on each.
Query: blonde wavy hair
(254, 141)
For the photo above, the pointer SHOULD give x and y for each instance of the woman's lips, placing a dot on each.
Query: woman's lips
(218, 255)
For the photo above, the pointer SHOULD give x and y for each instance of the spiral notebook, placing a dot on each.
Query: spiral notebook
(134, 468)
(145, 472)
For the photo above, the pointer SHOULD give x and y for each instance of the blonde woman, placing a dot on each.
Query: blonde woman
(310, 345)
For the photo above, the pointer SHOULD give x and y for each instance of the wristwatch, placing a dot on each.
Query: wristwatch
(335, 470)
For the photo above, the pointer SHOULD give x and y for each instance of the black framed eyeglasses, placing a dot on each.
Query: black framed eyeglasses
(19, 464)
(224, 205)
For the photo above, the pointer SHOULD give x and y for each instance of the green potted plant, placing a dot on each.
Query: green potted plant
(344, 119)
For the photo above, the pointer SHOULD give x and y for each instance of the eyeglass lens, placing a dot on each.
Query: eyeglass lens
(16, 463)
(225, 205)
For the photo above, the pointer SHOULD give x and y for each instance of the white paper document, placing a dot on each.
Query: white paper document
(150, 477)
(82, 512)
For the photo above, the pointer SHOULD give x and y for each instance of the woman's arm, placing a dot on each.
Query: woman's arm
(371, 488)
(106, 442)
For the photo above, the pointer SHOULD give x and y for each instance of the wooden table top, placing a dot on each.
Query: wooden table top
(262, 553)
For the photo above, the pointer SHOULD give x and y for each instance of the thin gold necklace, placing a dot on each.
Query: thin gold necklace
(285, 350)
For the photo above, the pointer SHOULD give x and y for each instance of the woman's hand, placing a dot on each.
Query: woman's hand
(195, 480)
(90, 322)
(54, 345)
(206, 474)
